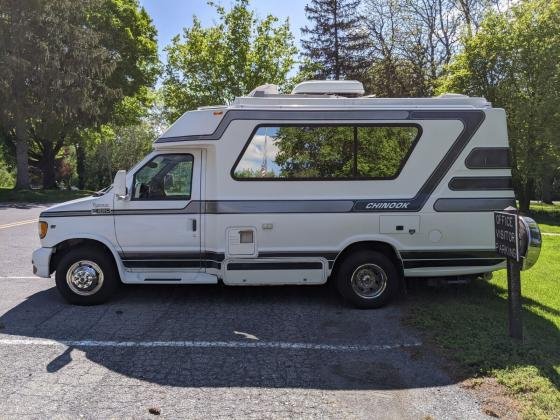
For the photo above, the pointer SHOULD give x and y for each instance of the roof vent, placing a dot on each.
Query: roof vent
(330, 87)
(263, 90)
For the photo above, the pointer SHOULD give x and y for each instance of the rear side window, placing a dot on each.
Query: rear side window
(325, 152)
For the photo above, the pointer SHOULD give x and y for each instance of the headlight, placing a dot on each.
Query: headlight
(43, 227)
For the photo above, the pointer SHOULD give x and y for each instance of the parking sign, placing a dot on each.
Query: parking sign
(506, 234)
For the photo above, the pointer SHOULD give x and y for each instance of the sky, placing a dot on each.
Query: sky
(171, 16)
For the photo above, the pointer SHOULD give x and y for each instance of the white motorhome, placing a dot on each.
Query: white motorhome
(280, 189)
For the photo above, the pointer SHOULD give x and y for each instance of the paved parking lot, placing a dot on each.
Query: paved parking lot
(206, 351)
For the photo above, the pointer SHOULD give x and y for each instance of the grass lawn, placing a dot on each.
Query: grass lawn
(39, 196)
(547, 215)
(470, 325)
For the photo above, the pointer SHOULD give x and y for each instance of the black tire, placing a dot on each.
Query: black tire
(384, 285)
(96, 293)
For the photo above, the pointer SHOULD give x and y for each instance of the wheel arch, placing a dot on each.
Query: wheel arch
(62, 247)
(370, 245)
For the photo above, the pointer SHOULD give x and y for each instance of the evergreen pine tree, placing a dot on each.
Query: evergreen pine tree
(335, 41)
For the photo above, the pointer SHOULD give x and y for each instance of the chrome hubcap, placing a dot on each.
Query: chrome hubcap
(369, 281)
(84, 278)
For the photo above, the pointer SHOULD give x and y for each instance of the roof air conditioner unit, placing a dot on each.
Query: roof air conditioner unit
(330, 87)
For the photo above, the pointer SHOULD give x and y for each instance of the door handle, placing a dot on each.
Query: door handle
(193, 225)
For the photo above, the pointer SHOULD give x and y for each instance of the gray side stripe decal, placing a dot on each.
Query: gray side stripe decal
(484, 262)
(279, 206)
(233, 115)
(473, 204)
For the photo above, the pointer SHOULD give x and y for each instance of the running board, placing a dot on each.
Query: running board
(153, 277)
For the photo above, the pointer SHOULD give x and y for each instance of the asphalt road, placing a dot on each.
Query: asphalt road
(207, 351)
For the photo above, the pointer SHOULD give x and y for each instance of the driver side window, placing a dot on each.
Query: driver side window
(165, 177)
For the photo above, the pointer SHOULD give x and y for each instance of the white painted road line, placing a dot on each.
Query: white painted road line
(18, 277)
(15, 224)
(206, 344)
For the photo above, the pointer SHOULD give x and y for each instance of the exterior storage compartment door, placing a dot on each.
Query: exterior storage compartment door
(275, 272)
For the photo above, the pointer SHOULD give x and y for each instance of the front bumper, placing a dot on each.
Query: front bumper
(41, 260)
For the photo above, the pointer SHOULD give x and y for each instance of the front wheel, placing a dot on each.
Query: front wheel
(368, 279)
(86, 276)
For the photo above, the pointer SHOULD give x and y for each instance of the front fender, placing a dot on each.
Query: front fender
(111, 246)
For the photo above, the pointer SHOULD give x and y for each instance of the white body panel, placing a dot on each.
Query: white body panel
(300, 227)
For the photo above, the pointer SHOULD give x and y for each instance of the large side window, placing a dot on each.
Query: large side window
(382, 151)
(165, 177)
(325, 152)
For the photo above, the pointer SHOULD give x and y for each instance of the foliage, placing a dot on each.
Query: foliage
(127, 31)
(472, 328)
(50, 64)
(512, 61)
(6, 175)
(66, 65)
(112, 148)
(336, 40)
(208, 66)
(7, 179)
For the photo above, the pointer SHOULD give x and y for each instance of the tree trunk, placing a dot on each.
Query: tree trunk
(48, 164)
(526, 195)
(43, 157)
(547, 182)
(22, 155)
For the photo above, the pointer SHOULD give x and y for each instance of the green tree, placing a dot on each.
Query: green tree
(513, 62)
(66, 65)
(208, 66)
(336, 40)
(111, 148)
(50, 62)
(127, 31)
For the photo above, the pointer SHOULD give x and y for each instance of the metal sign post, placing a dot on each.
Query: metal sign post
(506, 231)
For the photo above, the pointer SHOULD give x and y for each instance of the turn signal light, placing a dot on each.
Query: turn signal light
(43, 227)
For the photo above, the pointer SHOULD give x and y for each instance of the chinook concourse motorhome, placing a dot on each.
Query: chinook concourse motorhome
(295, 189)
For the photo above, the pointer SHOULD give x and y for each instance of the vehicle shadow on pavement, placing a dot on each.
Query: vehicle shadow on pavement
(206, 315)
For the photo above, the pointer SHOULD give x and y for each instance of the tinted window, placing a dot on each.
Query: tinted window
(165, 177)
(382, 150)
(488, 157)
(325, 152)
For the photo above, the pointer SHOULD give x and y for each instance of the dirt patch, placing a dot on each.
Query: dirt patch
(494, 397)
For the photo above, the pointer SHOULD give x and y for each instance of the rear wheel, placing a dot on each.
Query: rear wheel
(87, 276)
(368, 279)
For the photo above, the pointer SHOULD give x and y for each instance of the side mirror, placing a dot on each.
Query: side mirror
(119, 185)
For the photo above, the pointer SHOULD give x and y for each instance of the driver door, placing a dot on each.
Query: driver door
(156, 228)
